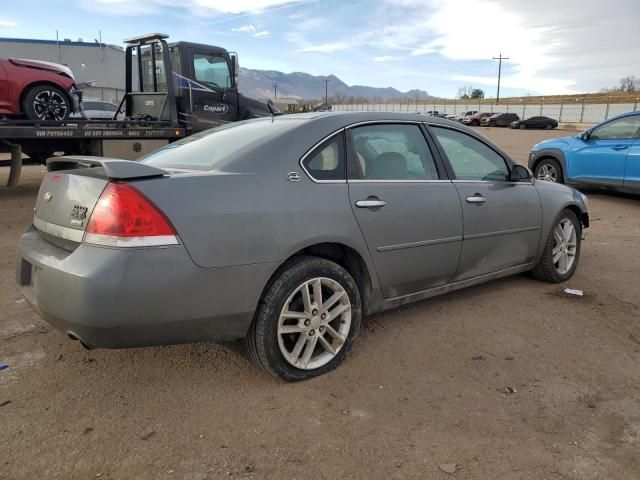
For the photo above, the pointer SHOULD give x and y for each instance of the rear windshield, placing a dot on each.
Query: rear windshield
(207, 150)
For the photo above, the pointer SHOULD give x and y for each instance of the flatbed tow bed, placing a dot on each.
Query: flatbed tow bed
(120, 138)
(181, 88)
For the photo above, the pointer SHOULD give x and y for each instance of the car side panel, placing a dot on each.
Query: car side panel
(234, 219)
(632, 170)
(600, 162)
(554, 198)
(5, 104)
(501, 233)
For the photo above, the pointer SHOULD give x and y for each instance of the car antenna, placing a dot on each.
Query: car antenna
(274, 111)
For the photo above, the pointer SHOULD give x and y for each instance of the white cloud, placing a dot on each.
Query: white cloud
(241, 6)
(330, 47)
(201, 7)
(245, 28)
(456, 23)
(385, 58)
(7, 24)
(261, 34)
(422, 51)
(523, 81)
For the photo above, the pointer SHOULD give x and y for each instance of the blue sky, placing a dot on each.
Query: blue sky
(435, 45)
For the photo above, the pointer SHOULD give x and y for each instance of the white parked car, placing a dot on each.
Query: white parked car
(99, 110)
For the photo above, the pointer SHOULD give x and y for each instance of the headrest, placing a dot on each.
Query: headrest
(389, 165)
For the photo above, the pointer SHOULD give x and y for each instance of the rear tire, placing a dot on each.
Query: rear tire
(563, 245)
(287, 324)
(46, 102)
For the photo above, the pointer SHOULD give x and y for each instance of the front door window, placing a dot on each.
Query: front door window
(211, 71)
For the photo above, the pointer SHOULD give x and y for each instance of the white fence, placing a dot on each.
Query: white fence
(575, 112)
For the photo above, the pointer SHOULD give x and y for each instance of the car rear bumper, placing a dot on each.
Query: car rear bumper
(114, 298)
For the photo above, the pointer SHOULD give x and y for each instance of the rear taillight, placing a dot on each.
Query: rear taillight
(124, 217)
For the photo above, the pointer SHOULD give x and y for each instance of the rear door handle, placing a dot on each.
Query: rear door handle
(477, 198)
(620, 147)
(370, 203)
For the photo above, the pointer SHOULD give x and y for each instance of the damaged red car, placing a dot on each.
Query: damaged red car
(37, 90)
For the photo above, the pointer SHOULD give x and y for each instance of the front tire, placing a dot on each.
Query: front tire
(307, 320)
(46, 102)
(562, 250)
(549, 170)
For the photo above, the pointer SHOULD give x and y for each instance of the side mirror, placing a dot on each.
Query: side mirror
(235, 68)
(520, 173)
(584, 135)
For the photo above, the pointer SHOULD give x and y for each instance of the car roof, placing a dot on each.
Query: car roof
(622, 115)
(335, 119)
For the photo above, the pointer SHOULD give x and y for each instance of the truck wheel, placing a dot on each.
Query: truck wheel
(562, 250)
(307, 320)
(46, 102)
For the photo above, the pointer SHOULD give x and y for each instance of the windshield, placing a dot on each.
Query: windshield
(207, 150)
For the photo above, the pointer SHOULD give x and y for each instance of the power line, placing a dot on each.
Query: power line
(499, 58)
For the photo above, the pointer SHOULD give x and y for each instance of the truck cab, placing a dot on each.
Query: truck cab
(193, 84)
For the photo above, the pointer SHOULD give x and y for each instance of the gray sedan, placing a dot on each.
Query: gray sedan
(286, 231)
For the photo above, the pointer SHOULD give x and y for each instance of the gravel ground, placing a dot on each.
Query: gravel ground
(509, 380)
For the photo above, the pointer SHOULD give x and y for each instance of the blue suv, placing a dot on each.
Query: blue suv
(607, 155)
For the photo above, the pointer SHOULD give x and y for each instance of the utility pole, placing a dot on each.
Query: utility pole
(275, 90)
(500, 58)
(326, 95)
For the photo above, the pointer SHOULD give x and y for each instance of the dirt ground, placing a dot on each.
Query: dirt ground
(424, 390)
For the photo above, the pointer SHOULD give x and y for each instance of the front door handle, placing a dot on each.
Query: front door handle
(477, 198)
(620, 147)
(370, 203)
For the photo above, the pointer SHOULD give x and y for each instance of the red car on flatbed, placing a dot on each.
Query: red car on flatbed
(37, 90)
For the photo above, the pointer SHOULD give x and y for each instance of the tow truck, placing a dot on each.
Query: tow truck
(177, 89)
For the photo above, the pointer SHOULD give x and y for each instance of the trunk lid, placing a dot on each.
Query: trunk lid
(70, 190)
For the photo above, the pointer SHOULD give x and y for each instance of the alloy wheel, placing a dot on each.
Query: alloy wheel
(564, 246)
(314, 323)
(548, 173)
(50, 105)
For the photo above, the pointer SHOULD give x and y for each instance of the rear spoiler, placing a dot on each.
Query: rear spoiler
(114, 169)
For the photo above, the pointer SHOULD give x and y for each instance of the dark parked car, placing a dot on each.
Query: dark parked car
(286, 231)
(475, 119)
(535, 122)
(501, 120)
(37, 90)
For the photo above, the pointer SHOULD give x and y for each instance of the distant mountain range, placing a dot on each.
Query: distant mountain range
(259, 84)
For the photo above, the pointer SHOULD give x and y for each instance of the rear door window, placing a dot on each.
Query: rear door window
(390, 152)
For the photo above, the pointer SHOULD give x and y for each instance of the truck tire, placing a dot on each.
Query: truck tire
(46, 102)
(307, 320)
